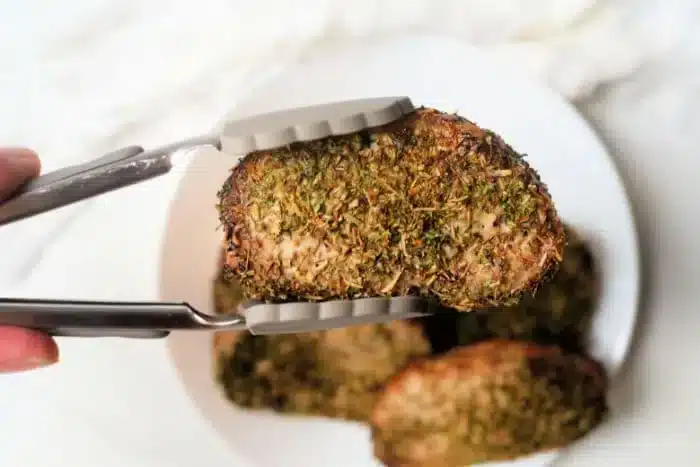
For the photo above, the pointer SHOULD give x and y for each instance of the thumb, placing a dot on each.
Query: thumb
(25, 349)
(16, 167)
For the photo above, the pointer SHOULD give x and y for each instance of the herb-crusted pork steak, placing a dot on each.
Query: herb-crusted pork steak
(491, 401)
(430, 205)
(335, 373)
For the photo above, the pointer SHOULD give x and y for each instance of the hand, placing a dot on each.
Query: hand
(21, 349)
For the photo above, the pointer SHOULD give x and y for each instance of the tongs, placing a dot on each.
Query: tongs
(133, 164)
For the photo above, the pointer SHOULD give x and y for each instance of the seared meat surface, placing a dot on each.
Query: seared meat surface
(429, 205)
(491, 401)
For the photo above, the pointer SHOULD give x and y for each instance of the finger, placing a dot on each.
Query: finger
(25, 349)
(17, 165)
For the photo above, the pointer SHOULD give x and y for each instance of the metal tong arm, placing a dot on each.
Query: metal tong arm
(112, 171)
(110, 319)
(157, 319)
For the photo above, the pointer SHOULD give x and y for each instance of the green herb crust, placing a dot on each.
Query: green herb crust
(430, 205)
(336, 373)
(491, 401)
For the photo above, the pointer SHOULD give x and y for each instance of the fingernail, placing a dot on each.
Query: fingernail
(26, 364)
(25, 349)
(20, 160)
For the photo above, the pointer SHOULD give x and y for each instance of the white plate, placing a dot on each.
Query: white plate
(435, 72)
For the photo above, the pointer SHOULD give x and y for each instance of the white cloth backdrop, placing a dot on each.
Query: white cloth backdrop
(103, 62)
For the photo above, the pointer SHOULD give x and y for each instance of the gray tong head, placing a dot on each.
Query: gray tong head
(132, 164)
(155, 320)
